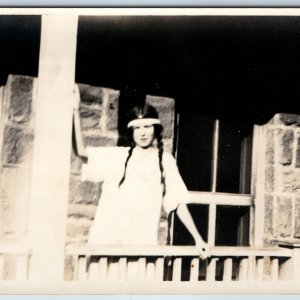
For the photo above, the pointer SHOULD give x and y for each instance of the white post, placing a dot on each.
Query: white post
(52, 147)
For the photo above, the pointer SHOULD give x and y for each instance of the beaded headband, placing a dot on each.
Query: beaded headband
(141, 121)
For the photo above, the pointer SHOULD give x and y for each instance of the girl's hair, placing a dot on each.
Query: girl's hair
(141, 112)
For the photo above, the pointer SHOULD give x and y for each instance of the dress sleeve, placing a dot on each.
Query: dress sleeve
(100, 162)
(176, 191)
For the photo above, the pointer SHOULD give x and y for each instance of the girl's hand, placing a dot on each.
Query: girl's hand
(203, 249)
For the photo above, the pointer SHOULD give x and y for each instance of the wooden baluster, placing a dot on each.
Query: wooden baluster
(194, 273)
(177, 266)
(159, 269)
(113, 270)
(227, 273)
(75, 269)
(142, 269)
(150, 271)
(251, 268)
(211, 269)
(22, 267)
(103, 269)
(82, 261)
(274, 268)
(93, 272)
(122, 268)
(243, 269)
(1, 266)
(259, 272)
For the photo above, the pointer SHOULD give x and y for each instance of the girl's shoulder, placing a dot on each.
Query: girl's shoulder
(112, 151)
(168, 159)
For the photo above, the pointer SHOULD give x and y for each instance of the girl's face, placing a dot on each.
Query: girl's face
(143, 135)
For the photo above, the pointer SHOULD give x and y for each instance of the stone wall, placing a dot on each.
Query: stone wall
(282, 178)
(16, 140)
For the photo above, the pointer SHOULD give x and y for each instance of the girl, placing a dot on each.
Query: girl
(138, 183)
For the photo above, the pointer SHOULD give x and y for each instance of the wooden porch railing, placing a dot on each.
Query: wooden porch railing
(14, 262)
(178, 263)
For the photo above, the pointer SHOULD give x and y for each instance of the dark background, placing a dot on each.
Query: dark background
(226, 66)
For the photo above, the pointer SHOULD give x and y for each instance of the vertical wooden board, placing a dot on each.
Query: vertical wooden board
(194, 272)
(177, 266)
(22, 267)
(211, 269)
(103, 269)
(274, 268)
(82, 264)
(227, 273)
(159, 269)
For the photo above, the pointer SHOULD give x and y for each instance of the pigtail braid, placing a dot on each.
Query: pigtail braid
(160, 146)
(126, 162)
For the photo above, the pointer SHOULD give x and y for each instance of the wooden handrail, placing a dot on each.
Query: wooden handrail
(208, 198)
(180, 251)
(14, 248)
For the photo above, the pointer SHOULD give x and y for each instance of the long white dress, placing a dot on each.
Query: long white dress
(130, 214)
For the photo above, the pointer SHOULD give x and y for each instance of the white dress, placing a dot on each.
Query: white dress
(130, 214)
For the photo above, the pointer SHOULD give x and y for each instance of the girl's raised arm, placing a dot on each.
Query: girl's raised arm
(79, 142)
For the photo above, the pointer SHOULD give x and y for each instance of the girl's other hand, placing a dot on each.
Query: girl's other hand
(203, 249)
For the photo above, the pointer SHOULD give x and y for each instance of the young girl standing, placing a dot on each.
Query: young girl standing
(138, 182)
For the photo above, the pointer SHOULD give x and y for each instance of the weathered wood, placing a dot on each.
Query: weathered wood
(150, 271)
(208, 198)
(22, 267)
(122, 268)
(194, 272)
(177, 266)
(103, 269)
(1, 266)
(142, 269)
(274, 268)
(93, 272)
(243, 269)
(144, 251)
(227, 273)
(159, 269)
(82, 264)
(259, 270)
(211, 269)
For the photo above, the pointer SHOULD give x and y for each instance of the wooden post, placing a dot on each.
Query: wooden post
(52, 147)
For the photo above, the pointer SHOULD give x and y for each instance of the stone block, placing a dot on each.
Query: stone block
(296, 182)
(288, 120)
(298, 153)
(287, 180)
(112, 110)
(270, 146)
(166, 110)
(76, 163)
(286, 140)
(14, 219)
(82, 211)
(269, 179)
(20, 99)
(98, 140)
(297, 218)
(84, 192)
(283, 217)
(91, 95)
(90, 117)
(17, 145)
(78, 229)
(269, 210)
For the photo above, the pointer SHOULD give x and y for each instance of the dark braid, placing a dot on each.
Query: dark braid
(160, 146)
(126, 162)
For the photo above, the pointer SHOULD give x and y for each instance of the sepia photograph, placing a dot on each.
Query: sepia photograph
(149, 151)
